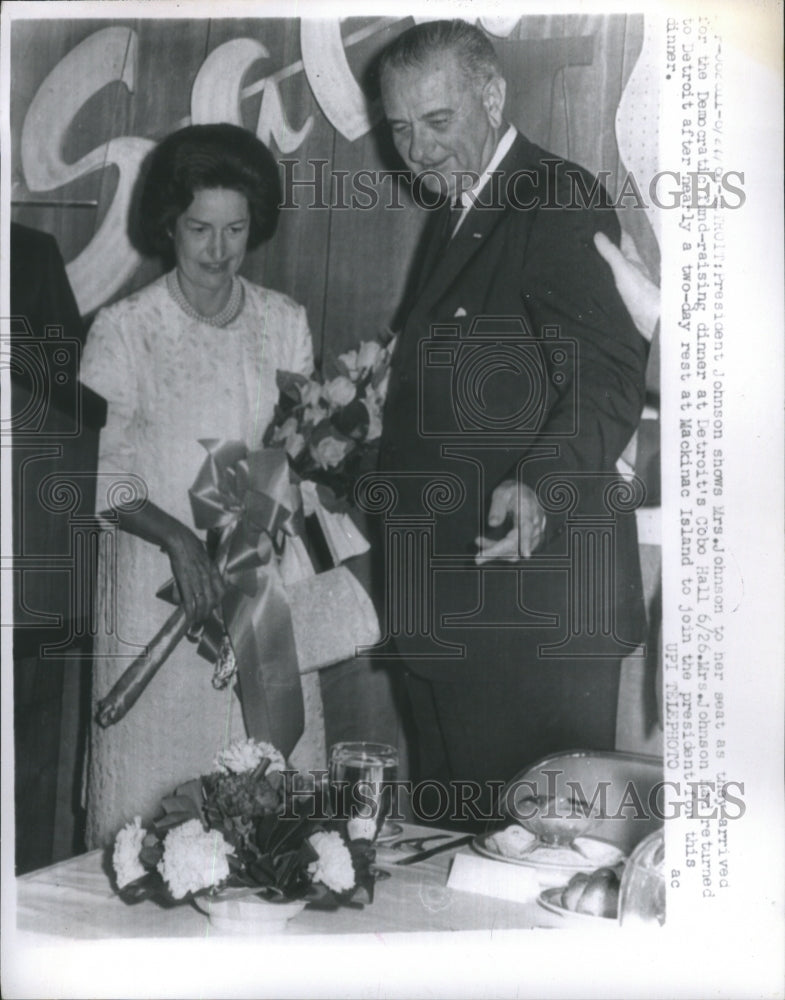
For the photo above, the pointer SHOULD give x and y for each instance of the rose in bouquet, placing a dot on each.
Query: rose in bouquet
(231, 830)
(331, 429)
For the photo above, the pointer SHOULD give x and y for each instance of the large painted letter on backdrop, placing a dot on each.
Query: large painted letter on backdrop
(216, 94)
(108, 260)
(332, 81)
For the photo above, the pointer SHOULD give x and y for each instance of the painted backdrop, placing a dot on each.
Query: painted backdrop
(90, 98)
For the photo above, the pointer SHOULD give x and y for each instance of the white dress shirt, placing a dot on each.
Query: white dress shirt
(469, 197)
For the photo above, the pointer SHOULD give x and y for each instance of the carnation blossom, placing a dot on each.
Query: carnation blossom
(194, 858)
(246, 755)
(334, 866)
(125, 858)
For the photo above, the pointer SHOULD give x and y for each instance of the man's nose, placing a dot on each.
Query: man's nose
(421, 147)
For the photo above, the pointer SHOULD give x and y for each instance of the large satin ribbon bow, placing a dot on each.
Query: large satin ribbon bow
(246, 502)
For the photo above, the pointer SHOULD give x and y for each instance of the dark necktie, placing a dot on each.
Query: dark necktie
(440, 240)
(456, 210)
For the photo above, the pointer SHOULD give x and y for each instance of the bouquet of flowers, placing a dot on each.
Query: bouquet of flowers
(230, 830)
(331, 429)
(251, 502)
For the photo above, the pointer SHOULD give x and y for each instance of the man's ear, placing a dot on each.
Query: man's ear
(493, 95)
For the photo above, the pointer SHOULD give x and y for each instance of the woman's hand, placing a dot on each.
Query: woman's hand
(198, 581)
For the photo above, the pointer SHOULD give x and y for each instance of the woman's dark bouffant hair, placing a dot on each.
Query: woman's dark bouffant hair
(208, 156)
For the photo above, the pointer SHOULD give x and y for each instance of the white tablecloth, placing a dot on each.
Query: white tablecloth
(74, 900)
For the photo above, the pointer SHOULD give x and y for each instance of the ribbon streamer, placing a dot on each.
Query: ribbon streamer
(247, 503)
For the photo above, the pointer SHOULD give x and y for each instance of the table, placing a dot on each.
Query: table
(74, 900)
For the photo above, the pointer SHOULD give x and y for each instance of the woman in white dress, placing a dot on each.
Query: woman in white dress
(192, 355)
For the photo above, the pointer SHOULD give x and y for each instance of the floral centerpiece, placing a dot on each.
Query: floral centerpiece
(231, 831)
(331, 429)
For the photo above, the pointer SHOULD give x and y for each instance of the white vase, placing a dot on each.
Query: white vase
(248, 916)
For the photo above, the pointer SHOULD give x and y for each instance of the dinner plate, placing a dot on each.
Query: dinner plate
(482, 846)
(550, 899)
(549, 874)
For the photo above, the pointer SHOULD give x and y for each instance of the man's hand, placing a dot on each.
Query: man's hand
(516, 500)
(640, 295)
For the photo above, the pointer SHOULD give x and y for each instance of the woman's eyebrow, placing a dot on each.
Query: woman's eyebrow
(204, 222)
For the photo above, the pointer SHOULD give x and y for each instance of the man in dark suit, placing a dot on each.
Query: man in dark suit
(44, 405)
(518, 379)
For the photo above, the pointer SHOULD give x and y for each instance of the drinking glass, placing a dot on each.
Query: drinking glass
(361, 777)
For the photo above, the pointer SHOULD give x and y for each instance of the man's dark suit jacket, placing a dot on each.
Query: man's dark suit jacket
(43, 415)
(39, 285)
(568, 410)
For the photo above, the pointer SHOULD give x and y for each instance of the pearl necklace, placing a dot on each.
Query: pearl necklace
(229, 312)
